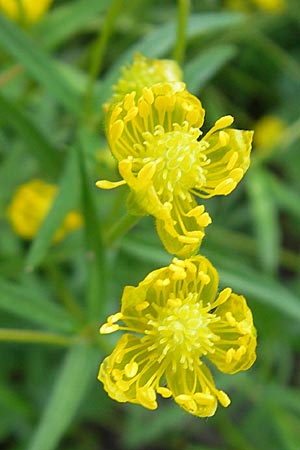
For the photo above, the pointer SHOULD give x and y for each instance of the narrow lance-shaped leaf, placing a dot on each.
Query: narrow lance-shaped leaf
(199, 70)
(265, 219)
(18, 300)
(95, 294)
(79, 368)
(67, 19)
(36, 142)
(66, 199)
(37, 63)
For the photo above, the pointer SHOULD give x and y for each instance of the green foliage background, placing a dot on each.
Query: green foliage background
(54, 79)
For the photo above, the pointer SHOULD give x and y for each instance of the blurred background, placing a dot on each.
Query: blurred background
(61, 275)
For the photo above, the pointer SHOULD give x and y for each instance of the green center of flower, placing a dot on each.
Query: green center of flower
(179, 157)
(183, 328)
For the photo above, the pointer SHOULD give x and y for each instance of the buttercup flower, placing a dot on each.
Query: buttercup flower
(26, 11)
(30, 206)
(155, 137)
(268, 129)
(273, 6)
(144, 72)
(175, 322)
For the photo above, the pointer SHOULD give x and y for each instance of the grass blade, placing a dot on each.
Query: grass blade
(66, 20)
(95, 248)
(66, 199)
(78, 370)
(264, 213)
(37, 63)
(36, 143)
(19, 300)
(204, 66)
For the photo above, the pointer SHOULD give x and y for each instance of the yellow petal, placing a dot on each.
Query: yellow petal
(235, 350)
(229, 159)
(105, 184)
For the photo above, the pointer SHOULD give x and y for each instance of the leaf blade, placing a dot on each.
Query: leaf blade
(36, 61)
(76, 372)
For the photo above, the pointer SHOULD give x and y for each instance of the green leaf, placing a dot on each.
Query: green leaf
(96, 285)
(78, 370)
(204, 66)
(287, 426)
(11, 401)
(36, 143)
(264, 213)
(160, 425)
(284, 396)
(18, 299)
(37, 63)
(284, 195)
(66, 20)
(66, 199)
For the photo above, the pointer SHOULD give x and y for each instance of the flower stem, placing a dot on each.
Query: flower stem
(35, 337)
(120, 228)
(182, 17)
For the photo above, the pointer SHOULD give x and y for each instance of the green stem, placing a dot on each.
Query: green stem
(99, 52)
(182, 17)
(120, 228)
(34, 337)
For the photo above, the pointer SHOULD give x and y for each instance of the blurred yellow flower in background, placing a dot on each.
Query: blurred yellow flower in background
(175, 318)
(29, 207)
(267, 131)
(273, 6)
(156, 140)
(24, 11)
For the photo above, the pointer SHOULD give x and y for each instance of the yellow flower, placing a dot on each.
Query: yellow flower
(268, 130)
(156, 140)
(175, 318)
(30, 206)
(24, 11)
(272, 6)
(144, 72)
(237, 5)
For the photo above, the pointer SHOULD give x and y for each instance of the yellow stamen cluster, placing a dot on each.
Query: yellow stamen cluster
(154, 133)
(29, 207)
(174, 320)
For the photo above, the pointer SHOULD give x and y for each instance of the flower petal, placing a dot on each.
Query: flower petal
(235, 350)
(195, 391)
(182, 232)
(228, 152)
(129, 374)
